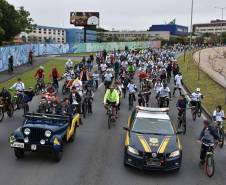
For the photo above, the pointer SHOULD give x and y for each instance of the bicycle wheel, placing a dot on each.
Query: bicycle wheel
(37, 89)
(10, 110)
(179, 123)
(221, 134)
(199, 113)
(209, 165)
(193, 115)
(109, 121)
(84, 110)
(64, 89)
(184, 128)
(1, 114)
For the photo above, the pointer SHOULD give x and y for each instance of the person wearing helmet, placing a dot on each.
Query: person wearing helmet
(69, 64)
(164, 94)
(207, 137)
(111, 97)
(196, 99)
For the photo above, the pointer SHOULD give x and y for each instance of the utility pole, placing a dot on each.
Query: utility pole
(191, 28)
(222, 18)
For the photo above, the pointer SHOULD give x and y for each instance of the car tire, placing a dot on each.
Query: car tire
(19, 153)
(57, 155)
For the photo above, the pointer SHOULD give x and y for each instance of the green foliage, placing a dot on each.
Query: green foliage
(12, 21)
(214, 94)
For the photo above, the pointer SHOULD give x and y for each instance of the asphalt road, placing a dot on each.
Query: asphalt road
(96, 156)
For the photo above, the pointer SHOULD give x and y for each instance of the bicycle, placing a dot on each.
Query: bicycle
(110, 116)
(181, 121)
(163, 102)
(39, 86)
(65, 88)
(209, 165)
(87, 106)
(131, 100)
(220, 131)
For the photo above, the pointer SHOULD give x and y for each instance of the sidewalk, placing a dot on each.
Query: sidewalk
(37, 61)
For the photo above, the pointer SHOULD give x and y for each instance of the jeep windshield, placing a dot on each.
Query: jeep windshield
(46, 121)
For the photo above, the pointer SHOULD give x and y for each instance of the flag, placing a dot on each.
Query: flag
(173, 21)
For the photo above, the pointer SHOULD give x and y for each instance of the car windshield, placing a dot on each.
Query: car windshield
(45, 121)
(153, 126)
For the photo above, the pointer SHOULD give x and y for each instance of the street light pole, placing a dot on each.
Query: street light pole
(191, 29)
(222, 18)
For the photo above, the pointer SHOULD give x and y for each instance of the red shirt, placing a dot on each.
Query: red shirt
(55, 73)
(39, 73)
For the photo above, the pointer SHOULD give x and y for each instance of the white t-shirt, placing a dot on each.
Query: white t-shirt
(131, 88)
(103, 67)
(19, 86)
(196, 96)
(178, 79)
(108, 77)
(218, 115)
(164, 92)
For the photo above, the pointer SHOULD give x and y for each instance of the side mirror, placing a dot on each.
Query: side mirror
(126, 128)
(179, 132)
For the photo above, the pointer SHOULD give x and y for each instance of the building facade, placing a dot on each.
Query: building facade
(174, 29)
(77, 36)
(215, 26)
(109, 36)
(46, 34)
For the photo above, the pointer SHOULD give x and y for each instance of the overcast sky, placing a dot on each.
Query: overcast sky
(122, 14)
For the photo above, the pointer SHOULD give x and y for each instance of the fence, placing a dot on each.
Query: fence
(20, 53)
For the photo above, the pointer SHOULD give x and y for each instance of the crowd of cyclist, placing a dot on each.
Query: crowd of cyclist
(117, 70)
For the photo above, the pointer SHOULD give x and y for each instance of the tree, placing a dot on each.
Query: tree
(12, 21)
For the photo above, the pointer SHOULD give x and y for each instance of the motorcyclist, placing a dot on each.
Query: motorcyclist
(207, 137)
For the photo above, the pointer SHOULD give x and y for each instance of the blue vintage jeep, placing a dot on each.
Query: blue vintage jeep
(44, 132)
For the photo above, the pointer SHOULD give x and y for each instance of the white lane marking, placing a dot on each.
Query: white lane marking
(100, 85)
(203, 116)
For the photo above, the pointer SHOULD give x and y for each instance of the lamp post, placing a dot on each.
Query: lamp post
(191, 29)
(222, 18)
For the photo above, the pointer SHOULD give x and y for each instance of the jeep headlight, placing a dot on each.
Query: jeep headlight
(132, 150)
(175, 154)
(27, 131)
(47, 133)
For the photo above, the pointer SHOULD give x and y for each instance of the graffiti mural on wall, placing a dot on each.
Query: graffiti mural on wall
(20, 53)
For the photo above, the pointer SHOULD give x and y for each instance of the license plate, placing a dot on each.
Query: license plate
(17, 145)
(152, 163)
(33, 147)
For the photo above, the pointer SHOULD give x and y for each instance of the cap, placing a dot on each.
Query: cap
(198, 89)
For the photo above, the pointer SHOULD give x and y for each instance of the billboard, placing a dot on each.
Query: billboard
(84, 18)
